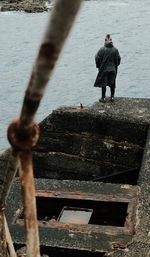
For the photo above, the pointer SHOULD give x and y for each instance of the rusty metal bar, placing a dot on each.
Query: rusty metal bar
(23, 144)
(59, 25)
(11, 249)
(22, 133)
(3, 244)
(8, 178)
(30, 216)
(5, 188)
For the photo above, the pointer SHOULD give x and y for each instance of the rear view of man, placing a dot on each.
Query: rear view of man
(107, 61)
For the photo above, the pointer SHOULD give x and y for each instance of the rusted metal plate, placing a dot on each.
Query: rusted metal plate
(100, 235)
(75, 215)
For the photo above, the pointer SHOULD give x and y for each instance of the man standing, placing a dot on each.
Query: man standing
(107, 61)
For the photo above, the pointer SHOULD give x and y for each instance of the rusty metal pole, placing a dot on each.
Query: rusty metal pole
(3, 244)
(8, 178)
(28, 194)
(11, 249)
(6, 240)
(5, 188)
(59, 25)
(21, 132)
(23, 143)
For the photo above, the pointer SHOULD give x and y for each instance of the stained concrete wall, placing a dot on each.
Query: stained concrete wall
(140, 245)
(93, 143)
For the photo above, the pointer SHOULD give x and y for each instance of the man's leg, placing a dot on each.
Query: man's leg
(112, 90)
(103, 94)
(112, 81)
(104, 84)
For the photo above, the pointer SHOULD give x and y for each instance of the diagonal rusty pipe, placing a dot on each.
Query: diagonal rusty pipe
(11, 249)
(8, 177)
(5, 188)
(58, 27)
(3, 243)
(22, 133)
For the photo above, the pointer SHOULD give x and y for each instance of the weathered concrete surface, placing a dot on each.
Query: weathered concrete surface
(93, 143)
(123, 120)
(80, 237)
(140, 246)
(124, 125)
(101, 140)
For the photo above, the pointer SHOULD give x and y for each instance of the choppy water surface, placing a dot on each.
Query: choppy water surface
(72, 82)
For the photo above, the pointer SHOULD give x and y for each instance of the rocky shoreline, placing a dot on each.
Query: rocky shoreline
(24, 5)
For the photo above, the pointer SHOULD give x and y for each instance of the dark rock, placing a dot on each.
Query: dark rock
(27, 6)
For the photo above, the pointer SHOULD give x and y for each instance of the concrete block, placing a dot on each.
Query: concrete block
(111, 225)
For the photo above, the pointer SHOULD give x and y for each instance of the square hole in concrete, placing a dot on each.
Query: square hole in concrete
(92, 212)
(105, 213)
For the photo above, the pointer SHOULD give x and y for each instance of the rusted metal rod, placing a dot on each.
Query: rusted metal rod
(59, 25)
(23, 144)
(8, 177)
(11, 249)
(3, 244)
(5, 188)
(22, 133)
(28, 193)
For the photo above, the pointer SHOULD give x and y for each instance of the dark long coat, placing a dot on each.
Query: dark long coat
(107, 60)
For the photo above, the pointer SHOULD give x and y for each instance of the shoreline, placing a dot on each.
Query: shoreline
(26, 6)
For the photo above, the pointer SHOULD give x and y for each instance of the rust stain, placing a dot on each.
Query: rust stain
(129, 222)
(111, 230)
(121, 246)
(86, 196)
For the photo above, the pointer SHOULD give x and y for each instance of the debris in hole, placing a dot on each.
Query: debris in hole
(75, 215)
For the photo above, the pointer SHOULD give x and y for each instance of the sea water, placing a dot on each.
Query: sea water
(72, 81)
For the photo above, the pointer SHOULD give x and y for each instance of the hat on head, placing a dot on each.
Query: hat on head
(108, 37)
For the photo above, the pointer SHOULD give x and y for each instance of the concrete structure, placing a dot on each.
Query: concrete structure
(111, 224)
(94, 143)
(105, 145)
